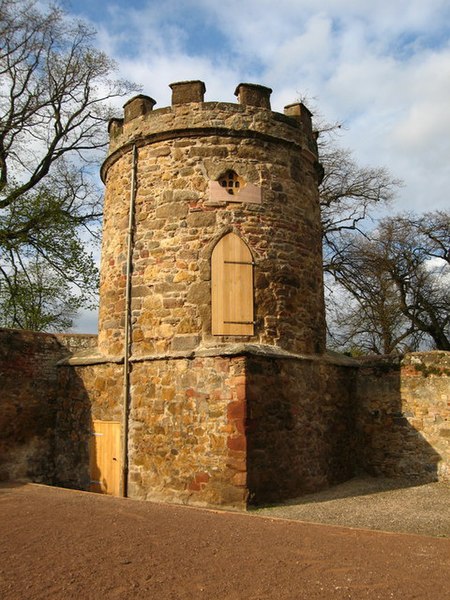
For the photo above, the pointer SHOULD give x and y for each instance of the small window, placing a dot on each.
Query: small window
(231, 187)
(231, 182)
(232, 287)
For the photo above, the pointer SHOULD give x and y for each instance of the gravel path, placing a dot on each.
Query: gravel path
(374, 503)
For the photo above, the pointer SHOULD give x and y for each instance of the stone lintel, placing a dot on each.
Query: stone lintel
(187, 91)
(252, 94)
(275, 352)
(83, 359)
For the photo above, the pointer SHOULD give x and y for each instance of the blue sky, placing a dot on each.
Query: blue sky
(382, 68)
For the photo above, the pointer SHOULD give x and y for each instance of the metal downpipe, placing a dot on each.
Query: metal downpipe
(127, 327)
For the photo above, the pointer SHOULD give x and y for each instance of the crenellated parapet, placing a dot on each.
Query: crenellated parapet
(189, 115)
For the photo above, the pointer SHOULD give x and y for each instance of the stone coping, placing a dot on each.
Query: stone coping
(49, 334)
(88, 357)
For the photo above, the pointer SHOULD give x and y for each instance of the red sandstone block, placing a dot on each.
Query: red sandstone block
(237, 462)
(194, 486)
(236, 410)
(216, 394)
(240, 392)
(240, 479)
(199, 482)
(222, 365)
(240, 425)
(202, 477)
(238, 442)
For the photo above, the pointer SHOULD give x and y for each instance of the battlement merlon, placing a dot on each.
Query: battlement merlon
(190, 116)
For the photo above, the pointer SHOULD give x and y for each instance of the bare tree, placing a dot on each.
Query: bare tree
(364, 308)
(397, 280)
(349, 194)
(423, 284)
(55, 99)
(431, 231)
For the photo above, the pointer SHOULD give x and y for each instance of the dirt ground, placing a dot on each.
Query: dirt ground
(61, 544)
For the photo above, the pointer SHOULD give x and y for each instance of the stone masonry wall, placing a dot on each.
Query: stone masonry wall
(215, 430)
(85, 394)
(403, 416)
(187, 439)
(186, 428)
(211, 429)
(28, 390)
(180, 150)
(300, 427)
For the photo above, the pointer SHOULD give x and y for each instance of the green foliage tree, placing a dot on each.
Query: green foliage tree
(37, 298)
(56, 92)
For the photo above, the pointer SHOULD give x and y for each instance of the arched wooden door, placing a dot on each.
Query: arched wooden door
(232, 287)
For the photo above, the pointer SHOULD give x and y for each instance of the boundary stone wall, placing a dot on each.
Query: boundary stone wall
(185, 430)
(403, 416)
(231, 430)
(28, 391)
(300, 426)
(85, 393)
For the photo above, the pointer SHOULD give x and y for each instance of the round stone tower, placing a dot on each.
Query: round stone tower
(224, 239)
(211, 307)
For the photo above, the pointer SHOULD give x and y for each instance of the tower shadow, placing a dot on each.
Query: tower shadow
(312, 425)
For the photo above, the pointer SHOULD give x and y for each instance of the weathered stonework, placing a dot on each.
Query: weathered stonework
(250, 426)
(403, 416)
(206, 419)
(187, 436)
(28, 400)
(85, 393)
(300, 426)
(181, 150)
(184, 435)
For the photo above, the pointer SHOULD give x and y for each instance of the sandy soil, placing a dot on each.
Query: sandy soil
(62, 544)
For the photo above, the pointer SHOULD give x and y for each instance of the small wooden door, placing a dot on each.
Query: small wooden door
(104, 457)
(232, 287)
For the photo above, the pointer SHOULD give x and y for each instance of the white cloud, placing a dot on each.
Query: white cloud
(157, 74)
(381, 67)
(427, 114)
